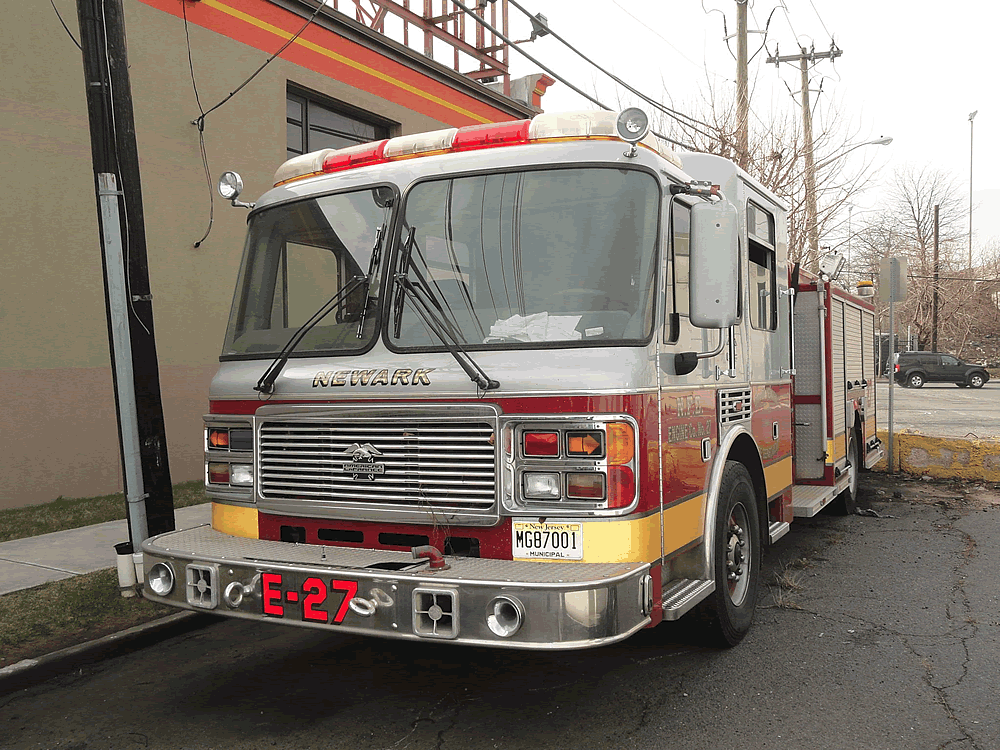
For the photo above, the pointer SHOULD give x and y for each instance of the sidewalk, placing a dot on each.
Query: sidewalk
(25, 563)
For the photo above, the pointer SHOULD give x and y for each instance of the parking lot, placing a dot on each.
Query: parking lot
(942, 409)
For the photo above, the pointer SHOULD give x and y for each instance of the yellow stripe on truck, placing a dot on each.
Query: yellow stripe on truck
(778, 476)
(236, 520)
(639, 540)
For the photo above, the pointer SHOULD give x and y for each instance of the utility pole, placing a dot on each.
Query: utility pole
(803, 59)
(128, 302)
(937, 269)
(742, 98)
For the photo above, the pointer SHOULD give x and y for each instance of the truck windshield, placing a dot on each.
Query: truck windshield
(532, 258)
(297, 257)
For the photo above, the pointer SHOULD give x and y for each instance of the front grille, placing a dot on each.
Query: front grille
(427, 463)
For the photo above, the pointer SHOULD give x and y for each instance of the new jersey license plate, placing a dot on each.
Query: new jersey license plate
(547, 541)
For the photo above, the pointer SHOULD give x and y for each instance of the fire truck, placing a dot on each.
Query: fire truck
(535, 384)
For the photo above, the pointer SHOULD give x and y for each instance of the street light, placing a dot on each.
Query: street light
(972, 116)
(812, 212)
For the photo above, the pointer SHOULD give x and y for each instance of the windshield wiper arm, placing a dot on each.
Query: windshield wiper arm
(266, 382)
(372, 265)
(440, 328)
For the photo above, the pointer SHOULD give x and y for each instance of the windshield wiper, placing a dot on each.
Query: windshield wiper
(425, 309)
(266, 382)
(372, 265)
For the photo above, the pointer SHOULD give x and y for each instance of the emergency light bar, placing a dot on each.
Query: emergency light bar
(544, 127)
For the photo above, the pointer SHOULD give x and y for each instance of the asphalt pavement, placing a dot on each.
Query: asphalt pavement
(873, 631)
(942, 410)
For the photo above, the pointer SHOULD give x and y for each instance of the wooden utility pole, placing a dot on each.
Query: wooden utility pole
(742, 98)
(803, 59)
(128, 302)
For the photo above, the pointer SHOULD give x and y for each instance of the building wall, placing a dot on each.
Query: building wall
(58, 433)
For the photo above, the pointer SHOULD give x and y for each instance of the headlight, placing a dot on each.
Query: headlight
(161, 579)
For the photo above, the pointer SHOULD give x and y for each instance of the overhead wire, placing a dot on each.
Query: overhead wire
(500, 35)
(649, 100)
(59, 16)
(200, 123)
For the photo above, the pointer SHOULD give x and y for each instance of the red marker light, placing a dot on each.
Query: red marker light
(491, 134)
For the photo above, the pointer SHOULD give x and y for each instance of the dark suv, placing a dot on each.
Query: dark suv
(913, 369)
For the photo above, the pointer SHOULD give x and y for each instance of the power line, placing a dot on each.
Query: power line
(500, 35)
(667, 110)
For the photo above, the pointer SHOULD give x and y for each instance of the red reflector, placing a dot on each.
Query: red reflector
(355, 156)
(541, 443)
(491, 134)
(621, 486)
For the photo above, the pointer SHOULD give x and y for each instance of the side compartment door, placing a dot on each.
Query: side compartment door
(810, 387)
(838, 380)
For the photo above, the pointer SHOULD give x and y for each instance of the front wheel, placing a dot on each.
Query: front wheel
(976, 380)
(730, 608)
(916, 380)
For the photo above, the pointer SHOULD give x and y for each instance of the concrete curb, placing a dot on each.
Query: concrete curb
(29, 672)
(942, 457)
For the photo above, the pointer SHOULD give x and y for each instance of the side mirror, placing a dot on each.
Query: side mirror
(714, 282)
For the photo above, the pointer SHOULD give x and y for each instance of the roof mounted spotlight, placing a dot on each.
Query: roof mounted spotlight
(830, 266)
(632, 126)
(230, 187)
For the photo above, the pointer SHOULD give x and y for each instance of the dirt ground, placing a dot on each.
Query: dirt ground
(957, 494)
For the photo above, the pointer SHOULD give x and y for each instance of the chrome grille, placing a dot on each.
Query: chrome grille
(734, 406)
(421, 463)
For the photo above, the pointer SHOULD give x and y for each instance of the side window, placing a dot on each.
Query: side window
(678, 268)
(762, 279)
(948, 360)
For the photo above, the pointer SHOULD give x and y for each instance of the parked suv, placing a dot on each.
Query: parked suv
(913, 369)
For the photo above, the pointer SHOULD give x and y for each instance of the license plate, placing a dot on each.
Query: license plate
(311, 599)
(548, 541)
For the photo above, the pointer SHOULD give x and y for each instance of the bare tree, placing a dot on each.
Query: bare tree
(777, 159)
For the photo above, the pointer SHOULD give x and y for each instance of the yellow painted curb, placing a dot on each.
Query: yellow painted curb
(941, 457)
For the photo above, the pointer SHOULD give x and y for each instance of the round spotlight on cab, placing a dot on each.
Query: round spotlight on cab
(632, 125)
(505, 616)
(161, 579)
(230, 186)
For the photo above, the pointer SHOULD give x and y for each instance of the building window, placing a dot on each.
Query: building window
(314, 124)
(763, 299)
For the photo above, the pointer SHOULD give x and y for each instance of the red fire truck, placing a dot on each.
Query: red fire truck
(537, 384)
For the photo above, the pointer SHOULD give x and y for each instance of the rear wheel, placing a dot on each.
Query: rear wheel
(846, 503)
(916, 380)
(730, 608)
(976, 380)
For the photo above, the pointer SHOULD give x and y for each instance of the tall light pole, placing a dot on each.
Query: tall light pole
(972, 116)
(812, 213)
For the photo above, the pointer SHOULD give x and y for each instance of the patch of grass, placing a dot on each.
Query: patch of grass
(73, 513)
(64, 613)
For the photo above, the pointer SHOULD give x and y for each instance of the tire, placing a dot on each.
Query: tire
(846, 503)
(915, 380)
(729, 610)
(976, 380)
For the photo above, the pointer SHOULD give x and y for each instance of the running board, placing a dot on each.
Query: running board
(810, 499)
(681, 596)
(777, 529)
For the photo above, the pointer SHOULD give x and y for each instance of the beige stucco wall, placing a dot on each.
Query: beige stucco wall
(58, 434)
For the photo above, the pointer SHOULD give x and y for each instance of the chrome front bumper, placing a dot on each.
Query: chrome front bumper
(553, 605)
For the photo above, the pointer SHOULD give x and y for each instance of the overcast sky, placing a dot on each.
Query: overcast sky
(913, 70)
